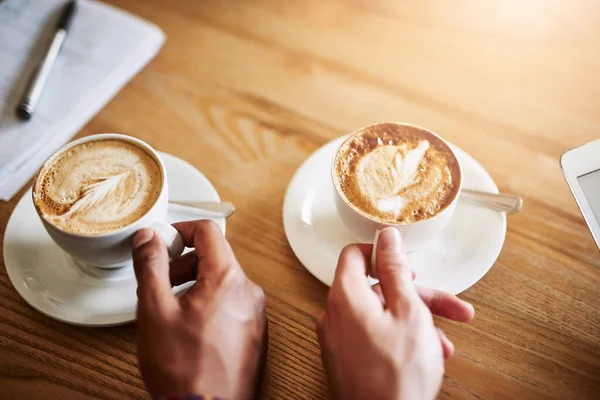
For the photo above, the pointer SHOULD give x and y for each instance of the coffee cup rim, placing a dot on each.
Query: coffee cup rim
(92, 138)
(387, 223)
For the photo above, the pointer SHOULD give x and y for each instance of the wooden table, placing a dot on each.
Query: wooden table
(246, 90)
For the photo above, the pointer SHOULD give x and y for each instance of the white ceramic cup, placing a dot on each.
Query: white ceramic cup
(365, 228)
(113, 249)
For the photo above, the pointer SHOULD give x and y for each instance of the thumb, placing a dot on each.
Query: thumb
(151, 265)
(395, 277)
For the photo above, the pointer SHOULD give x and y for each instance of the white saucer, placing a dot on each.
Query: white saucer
(51, 282)
(454, 261)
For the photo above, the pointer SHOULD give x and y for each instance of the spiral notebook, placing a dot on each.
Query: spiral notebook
(104, 49)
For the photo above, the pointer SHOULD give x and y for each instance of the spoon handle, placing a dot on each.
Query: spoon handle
(505, 202)
(224, 208)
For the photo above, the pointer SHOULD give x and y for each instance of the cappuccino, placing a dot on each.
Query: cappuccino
(97, 187)
(397, 173)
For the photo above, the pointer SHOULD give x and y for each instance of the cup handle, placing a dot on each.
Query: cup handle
(171, 237)
(373, 266)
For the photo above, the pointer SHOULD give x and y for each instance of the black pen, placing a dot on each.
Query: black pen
(40, 74)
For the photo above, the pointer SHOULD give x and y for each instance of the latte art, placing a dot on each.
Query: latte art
(387, 171)
(107, 197)
(397, 173)
(96, 187)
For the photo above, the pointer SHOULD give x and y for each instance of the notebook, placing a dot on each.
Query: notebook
(104, 49)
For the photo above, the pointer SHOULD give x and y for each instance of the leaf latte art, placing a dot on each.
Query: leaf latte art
(397, 173)
(98, 186)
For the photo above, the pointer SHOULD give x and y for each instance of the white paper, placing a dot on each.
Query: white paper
(104, 49)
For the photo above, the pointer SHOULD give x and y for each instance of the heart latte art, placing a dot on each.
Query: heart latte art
(397, 173)
(97, 187)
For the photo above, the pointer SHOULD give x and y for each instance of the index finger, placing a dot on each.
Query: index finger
(351, 282)
(351, 259)
(212, 249)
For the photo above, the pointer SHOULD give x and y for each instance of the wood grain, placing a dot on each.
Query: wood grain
(246, 90)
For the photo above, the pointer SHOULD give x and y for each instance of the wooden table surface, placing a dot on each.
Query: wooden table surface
(245, 90)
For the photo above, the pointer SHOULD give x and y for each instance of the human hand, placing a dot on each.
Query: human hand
(381, 342)
(210, 341)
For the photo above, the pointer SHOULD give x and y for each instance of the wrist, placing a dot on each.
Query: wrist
(193, 397)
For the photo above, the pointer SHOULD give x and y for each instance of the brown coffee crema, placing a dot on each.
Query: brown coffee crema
(97, 187)
(397, 173)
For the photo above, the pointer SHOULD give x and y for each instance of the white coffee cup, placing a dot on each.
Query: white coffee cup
(366, 228)
(113, 249)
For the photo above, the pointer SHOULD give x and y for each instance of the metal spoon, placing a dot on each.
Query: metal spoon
(505, 202)
(221, 209)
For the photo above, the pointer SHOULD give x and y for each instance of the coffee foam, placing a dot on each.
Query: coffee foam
(97, 187)
(397, 173)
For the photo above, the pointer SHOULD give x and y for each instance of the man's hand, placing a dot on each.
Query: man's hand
(381, 342)
(212, 340)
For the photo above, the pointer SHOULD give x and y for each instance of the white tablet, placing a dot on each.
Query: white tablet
(581, 167)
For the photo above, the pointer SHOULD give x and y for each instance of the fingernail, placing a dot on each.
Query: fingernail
(390, 241)
(470, 307)
(451, 345)
(142, 237)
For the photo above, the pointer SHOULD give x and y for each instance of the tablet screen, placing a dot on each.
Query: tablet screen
(590, 183)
